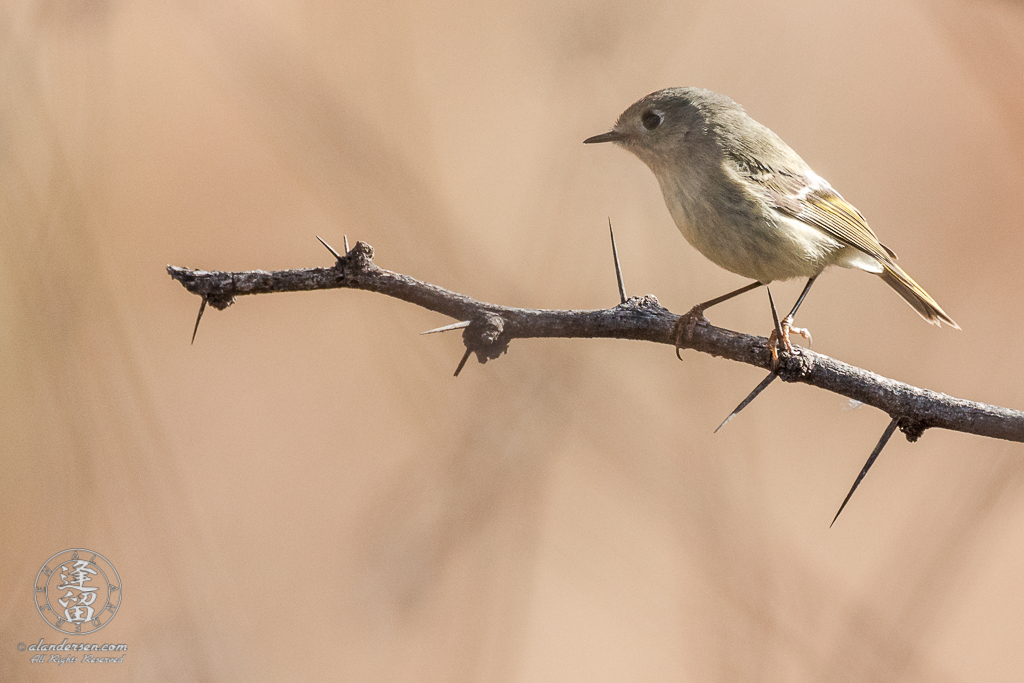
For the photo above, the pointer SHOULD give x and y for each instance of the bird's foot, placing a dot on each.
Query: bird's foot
(684, 327)
(774, 339)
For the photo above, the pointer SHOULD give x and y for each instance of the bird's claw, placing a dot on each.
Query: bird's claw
(684, 327)
(774, 339)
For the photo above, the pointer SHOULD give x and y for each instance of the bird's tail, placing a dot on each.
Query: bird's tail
(915, 295)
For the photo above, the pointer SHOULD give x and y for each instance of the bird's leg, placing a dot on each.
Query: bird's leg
(687, 322)
(782, 330)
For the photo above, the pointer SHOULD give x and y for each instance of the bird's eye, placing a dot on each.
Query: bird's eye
(651, 119)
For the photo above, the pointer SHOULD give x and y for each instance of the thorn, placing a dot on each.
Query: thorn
(331, 249)
(346, 245)
(447, 328)
(750, 397)
(871, 461)
(462, 362)
(775, 314)
(618, 268)
(202, 308)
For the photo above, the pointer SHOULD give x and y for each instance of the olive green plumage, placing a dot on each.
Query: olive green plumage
(743, 198)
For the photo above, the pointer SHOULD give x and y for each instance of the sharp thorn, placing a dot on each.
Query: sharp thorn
(447, 328)
(462, 362)
(618, 267)
(750, 397)
(331, 249)
(775, 314)
(346, 245)
(202, 308)
(871, 461)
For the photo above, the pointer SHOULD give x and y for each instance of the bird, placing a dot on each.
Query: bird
(746, 201)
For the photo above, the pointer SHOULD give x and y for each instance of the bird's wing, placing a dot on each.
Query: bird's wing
(808, 197)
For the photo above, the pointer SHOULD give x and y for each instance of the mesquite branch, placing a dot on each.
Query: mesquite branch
(491, 327)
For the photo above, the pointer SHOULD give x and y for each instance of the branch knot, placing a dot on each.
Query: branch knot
(484, 336)
(647, 302)
(795, 367)
(913, 429)
(359, 257)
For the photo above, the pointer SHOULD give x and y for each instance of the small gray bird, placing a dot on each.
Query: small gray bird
(745, 200)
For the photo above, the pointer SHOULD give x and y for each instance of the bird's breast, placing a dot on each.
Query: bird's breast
(743, 234)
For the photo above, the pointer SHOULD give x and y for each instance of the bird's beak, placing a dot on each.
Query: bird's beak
(611, 136)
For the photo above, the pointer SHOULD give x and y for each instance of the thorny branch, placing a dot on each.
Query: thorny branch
(489, 328)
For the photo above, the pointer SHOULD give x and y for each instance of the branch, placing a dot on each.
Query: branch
(491, 327)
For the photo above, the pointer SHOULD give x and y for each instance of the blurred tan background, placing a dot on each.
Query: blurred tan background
(308, 494)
